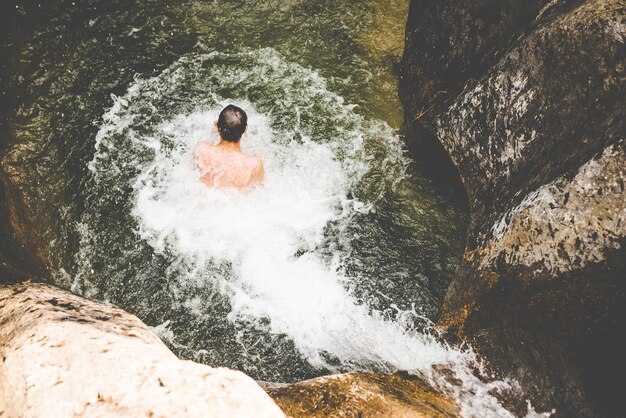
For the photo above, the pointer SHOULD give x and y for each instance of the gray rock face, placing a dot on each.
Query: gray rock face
(450, 42)
(64, 356)
(534, 120)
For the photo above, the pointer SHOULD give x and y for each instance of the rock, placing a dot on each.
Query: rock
(546, 369)
(22, 253)
(362, 395)
(64, 356)
(450, 42)
(533, 118)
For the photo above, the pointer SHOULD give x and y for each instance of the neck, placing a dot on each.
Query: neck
(229, 145)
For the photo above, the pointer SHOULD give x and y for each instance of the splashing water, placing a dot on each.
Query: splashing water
(272, 256)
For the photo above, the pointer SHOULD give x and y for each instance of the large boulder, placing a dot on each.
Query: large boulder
(449, 42)
(532, 115)
(363, 395)
(62, 355)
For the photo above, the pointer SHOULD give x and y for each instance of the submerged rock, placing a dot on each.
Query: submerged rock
(22, 252)
(535, 123)
(362, 395)
(64, 356)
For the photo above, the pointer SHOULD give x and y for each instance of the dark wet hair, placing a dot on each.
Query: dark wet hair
(232, 123)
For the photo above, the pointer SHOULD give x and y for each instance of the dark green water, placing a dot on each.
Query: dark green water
(103, 102)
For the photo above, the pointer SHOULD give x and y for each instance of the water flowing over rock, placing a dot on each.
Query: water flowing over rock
(527, 99)
(63, 356)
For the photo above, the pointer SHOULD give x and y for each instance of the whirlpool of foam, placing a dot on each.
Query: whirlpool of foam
(270, 257)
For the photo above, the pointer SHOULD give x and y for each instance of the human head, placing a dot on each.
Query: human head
(232, 123)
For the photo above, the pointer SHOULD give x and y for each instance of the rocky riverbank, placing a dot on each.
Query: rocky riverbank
(63, 355)
(527, 100)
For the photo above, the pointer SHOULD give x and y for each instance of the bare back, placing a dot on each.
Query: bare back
(225, 166)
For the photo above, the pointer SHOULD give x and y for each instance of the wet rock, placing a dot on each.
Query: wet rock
(22, 253)
(362, 395)
(450, 42)
(63, 356)
(534, 121)
(546, 369)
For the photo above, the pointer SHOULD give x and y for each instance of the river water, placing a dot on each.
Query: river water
(339, 263)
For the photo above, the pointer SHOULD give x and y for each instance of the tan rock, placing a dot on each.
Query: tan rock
(64, 356)
(363, 395)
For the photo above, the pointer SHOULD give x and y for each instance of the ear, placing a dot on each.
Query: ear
(215, 123)
(246, 130)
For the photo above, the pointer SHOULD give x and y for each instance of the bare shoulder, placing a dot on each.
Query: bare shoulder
(204, 145)
(256, 168)
(204, 149)
(255, 162)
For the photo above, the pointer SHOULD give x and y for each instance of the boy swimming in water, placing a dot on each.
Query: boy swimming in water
(224, 165)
